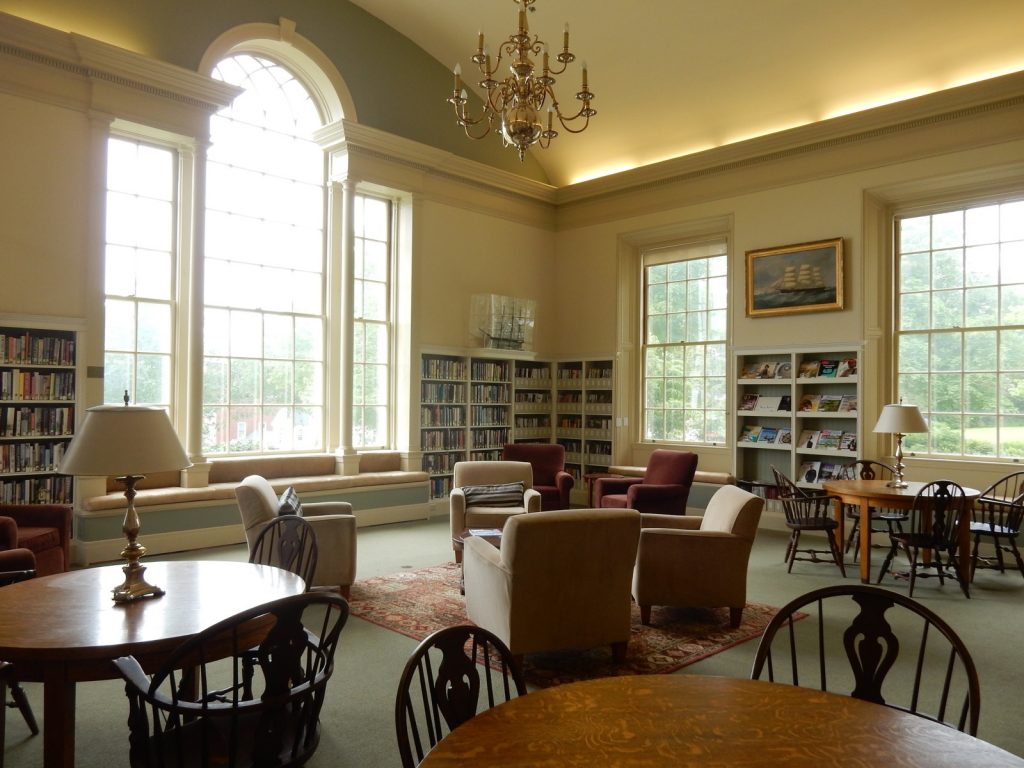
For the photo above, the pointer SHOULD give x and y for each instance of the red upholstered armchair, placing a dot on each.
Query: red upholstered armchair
(45, 529)
(662, 490)
(549, 475)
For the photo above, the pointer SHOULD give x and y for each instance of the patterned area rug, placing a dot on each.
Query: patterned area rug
(416, 603)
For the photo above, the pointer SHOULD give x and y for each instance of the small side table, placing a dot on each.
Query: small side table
(589, 479)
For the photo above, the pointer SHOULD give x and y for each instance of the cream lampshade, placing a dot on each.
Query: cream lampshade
(899, 419)
(126, 442)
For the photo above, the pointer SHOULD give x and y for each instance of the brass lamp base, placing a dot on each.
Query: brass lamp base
(135, 587)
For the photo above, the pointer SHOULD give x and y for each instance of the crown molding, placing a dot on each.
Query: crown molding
(85, 58)
(957, 103)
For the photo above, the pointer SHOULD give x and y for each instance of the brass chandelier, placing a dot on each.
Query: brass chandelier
(514, 106)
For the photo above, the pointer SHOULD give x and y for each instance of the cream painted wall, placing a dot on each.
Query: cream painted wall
(464, 252)
(43, 208)
(590, 255)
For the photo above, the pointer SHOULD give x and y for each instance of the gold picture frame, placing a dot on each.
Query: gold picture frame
(789, 279)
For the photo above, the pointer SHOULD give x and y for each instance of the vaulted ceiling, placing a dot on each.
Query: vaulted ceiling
(674, 77)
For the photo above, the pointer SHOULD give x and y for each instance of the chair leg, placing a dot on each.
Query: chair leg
(1016, 554)
(794, 540)
(854, 531)
(645, 615)
(912, 555)
(887, 561)
(619, 651)
(999, 553)
(735, 617)
(837, 556)
(22, 705)
(974, 555)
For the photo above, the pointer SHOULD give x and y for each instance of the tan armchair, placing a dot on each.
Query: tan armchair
(691, 561)
(469, 515)
(333, 521)
(560, 580)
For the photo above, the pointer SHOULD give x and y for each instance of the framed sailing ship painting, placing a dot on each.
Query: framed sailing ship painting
(807, 277)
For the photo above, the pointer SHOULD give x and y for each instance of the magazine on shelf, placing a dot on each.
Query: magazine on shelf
(808, 369)
(809, 472)
(848, 441)
(828, 368)
(786, 403)
(767, 435)
(750, 433)
(809, 402)
(749, 402)
(768, 403)
(758, 371)
(784, 371)
(784, 436)
(847, 367)
(808, 438)
(830, 403)
(830, 438)
(848, 404)
(828, 471)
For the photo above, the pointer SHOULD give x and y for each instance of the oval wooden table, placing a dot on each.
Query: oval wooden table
(64, 629)
(693, 720)
(866, 494)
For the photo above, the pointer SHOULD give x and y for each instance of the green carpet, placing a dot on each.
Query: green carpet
(418, 602)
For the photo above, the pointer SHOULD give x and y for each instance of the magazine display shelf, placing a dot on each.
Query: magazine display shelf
(796, 409)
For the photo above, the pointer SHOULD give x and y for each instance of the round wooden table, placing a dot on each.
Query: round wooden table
(693, 720)
(866, 494)
(64, 629)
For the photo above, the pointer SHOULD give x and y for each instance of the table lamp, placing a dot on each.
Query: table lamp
(127, 442)
(899, 419)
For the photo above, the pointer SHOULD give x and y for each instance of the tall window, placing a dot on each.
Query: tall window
(372, 331)
(684, 344)
(263, 375)
(960, 328)
(139, 280)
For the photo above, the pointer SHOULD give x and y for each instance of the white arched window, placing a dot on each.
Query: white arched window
(264, 321)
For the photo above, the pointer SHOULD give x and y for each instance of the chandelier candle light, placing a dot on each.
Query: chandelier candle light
(899, 419)
(126, 441)
(517, 103)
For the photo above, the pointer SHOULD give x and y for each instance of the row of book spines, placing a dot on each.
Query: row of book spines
(490, 371)
(31, 457)
(443, 368)
(439, 463)
(57, 489)
(28, 422)
(36, 385)
(31, 349)
(490, 437)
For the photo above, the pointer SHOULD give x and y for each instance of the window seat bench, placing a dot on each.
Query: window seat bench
(177, 518)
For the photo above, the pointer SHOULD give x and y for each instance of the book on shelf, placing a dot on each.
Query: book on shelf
(762, 370)
(809, 471)
(750, 433)
(848, 441)
(830, 403)
(784, 436)
(768, 403)
(828, 368)
(749, 402)
(847, 367)
(784, 371)
(786, 403)
(829, 439)
(848, 404)
(808, 438)
(808, 369)
(809, 402)
(767, 435)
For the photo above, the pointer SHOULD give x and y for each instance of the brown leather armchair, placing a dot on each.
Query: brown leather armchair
(44, 529)
(664, 488)
(549, 476)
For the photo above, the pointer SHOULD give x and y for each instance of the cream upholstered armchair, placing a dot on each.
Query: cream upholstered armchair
(333, 521)
(559, 580)
(479, 507)
(691, 561)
